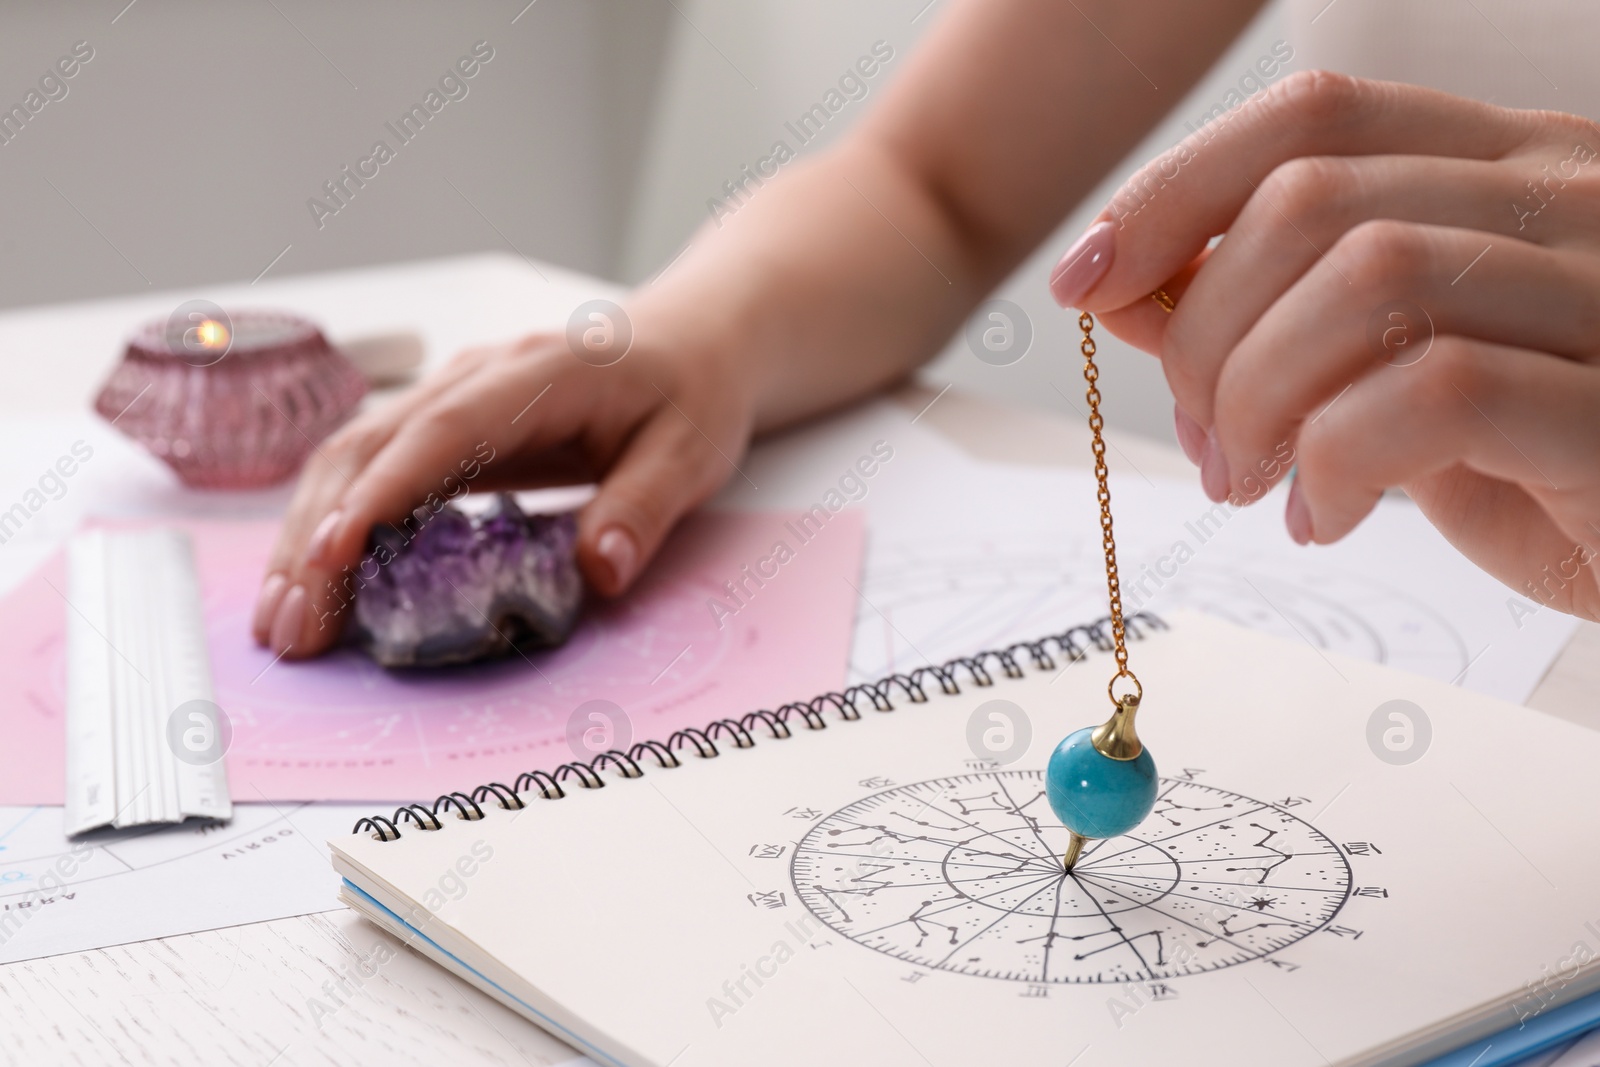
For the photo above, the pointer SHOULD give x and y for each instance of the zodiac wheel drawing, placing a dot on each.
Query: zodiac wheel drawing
(964, 874)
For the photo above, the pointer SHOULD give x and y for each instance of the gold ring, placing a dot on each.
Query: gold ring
(1167, 303)
(1111, 687)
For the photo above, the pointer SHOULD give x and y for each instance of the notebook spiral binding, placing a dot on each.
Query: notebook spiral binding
(913, 686)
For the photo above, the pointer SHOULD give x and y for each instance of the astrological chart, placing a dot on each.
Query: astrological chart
(964, 874)
(931, 599)
(340, 727)
(113, 887)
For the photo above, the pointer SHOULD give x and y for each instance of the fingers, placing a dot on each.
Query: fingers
(1554, 563)
(517, 416)
(1163, 217)
(517, 403)
(321, 484)
(434, 455)
(1495, 444)
(1517, 417)
(1295, 219)
(323, 480)
(1145, 323)
(667, 468)
(1333, 327)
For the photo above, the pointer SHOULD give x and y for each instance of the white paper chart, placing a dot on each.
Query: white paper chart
(927, 600)
(964, 555)
(115, 887)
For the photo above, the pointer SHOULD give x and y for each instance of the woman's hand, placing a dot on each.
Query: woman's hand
(663, 425)
(1408, 294)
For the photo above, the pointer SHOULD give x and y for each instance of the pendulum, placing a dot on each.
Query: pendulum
(1101, 780)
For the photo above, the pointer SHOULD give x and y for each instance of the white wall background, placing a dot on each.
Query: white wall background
(185, 150)
(735, 73)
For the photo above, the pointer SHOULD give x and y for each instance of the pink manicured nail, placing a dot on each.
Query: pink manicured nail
(290, 619)
(1214, 469)
(1084, 264)
(1191, 437)
(617, 549)
(1296, 516)
(267, 606)
(317, 547)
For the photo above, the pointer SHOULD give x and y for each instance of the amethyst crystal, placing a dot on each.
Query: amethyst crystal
(453, 588)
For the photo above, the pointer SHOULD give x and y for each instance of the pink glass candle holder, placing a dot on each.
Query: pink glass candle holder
(230, 401)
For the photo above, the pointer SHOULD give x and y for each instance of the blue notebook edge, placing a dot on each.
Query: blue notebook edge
(1539, 1034)
(545, 1021)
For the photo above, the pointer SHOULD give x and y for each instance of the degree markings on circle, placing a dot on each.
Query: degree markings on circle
(990, 897)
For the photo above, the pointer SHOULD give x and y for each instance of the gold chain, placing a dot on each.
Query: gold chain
(1108, 540)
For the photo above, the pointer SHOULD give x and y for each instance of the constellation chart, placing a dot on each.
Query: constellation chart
(964, 874)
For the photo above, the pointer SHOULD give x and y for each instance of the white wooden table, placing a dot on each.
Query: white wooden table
(311, 990)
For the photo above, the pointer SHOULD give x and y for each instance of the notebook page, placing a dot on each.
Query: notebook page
(871, 893)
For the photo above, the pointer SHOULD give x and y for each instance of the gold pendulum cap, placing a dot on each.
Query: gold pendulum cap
(1074, 850)
(1116, 737)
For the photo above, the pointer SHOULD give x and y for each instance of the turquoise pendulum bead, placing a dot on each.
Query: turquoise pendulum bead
(1101, 780)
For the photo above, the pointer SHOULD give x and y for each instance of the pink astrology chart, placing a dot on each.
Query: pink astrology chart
(678, 651)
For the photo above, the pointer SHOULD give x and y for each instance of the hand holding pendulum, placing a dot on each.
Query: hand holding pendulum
(1101, 780)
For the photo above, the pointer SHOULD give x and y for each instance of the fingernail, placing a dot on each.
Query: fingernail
(317, 547)
(290, 619)
(617, 549)
(1296, 516)
(1190, 435)
(267, 606)
(1084, 264)
(1214, 469)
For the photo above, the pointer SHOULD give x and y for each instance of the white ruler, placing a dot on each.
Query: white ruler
(144, 739)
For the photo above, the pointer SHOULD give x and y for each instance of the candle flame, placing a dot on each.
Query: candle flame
(210, 334)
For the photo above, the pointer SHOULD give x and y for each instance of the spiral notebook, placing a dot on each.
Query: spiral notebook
(1347, 866)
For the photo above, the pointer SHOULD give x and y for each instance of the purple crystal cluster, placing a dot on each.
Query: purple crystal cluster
(453, 587)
